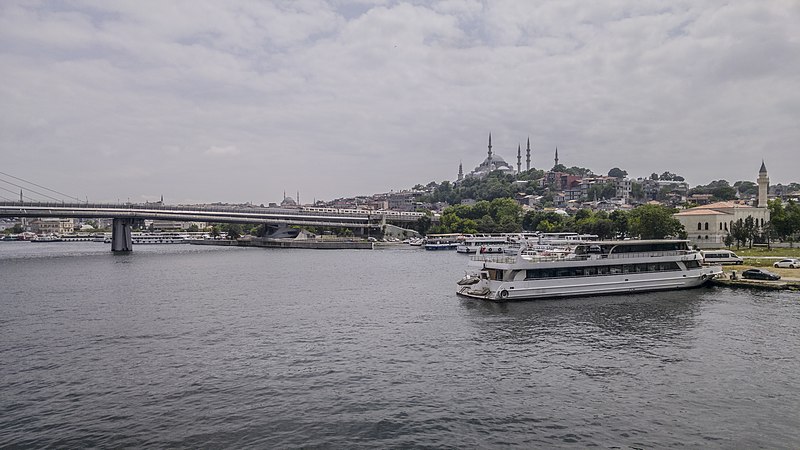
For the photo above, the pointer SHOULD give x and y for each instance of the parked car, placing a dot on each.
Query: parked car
(790, 263)
(760, 274)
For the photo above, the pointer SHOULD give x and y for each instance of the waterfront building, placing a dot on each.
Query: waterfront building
(707, 225)
(52, 226)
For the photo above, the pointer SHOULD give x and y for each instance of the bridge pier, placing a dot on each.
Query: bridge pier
(121, 240)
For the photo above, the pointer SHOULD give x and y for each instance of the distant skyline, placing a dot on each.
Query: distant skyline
(207, 101)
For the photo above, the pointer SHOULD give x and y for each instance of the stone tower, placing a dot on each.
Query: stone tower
(519, 158)
(528, 152)
(763, 185)
(489, 160)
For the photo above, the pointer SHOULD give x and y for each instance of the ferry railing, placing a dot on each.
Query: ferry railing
(510, 259)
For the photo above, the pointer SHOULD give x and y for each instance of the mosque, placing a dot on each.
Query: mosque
(707, 225)
(496, 162)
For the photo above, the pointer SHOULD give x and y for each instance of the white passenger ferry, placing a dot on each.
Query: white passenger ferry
(159, 238)
(447, 241)
(484, 244)
(605, 267)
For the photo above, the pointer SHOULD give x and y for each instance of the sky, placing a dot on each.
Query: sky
(239, 101)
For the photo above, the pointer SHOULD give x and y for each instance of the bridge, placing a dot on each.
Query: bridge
(124, 215)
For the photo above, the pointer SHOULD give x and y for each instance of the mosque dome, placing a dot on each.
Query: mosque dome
(288, 201)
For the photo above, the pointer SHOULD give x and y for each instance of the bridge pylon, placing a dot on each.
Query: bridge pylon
(121, 240)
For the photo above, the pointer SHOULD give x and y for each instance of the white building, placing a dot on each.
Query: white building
(52, 226)
(708, 225)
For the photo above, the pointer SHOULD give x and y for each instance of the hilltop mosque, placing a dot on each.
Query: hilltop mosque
(496, 162)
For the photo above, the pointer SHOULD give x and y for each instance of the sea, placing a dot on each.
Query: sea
(183, 346)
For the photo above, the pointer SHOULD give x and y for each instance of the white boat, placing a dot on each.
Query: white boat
(592, 268)
(442, 241)
(484, 244)
(46, 238)
(159, 238)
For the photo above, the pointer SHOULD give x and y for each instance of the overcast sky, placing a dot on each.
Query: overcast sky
(204, 101)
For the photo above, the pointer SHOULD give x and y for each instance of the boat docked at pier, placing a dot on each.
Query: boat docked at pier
(447, 241)
(591, 268)
(159, 238)
(484, 244)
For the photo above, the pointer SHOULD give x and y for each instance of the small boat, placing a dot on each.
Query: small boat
(448, 241)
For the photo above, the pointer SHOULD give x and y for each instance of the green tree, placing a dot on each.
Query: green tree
(654, 222)
(620, 220)
(423, 224)
(738, 233)
(728, 240)
(750, 229)
(616, 172)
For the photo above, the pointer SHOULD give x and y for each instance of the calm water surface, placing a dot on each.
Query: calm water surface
(187, 346)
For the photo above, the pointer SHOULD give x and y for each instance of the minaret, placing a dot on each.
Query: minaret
(298, 198)
(489, 160)
(528, 158)
(519, 158)
(556, 156)
(460, 171)
(763, 186)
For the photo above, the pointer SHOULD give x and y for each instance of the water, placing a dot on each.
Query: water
(188, 346)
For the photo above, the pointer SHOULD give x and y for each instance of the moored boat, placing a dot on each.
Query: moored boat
(442, 241)
(484, 244)
(592, 268)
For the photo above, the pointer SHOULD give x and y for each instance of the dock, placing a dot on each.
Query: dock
(784, 284)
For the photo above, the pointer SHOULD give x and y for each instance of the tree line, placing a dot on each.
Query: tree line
(504, 215)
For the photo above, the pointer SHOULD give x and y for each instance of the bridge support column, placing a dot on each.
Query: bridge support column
(121, 240)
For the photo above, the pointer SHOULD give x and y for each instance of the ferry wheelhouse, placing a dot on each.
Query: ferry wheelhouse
(592, 268)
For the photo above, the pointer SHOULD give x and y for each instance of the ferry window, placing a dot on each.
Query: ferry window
(693, 264)
(616, 269)
(562, 273)
(578, 272)
(603, 270)
(668, 266)
(652, 267)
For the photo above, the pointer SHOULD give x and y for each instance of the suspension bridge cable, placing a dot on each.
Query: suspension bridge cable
(31, 190)
(39, 186)
(24, 196)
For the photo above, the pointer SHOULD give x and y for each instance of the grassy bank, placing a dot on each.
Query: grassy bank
(763, 252)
